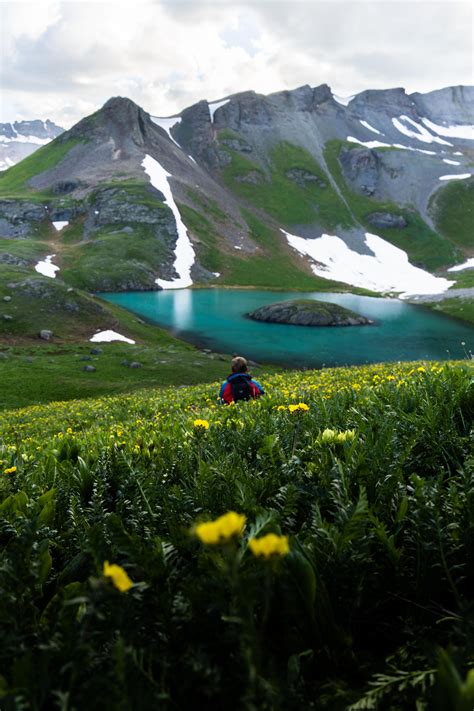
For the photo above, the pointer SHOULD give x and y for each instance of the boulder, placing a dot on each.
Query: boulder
(96, 351)
(89, 369)
(388, 220)
(135, 364)
(45, 334)
(7, 298)
(7, 317)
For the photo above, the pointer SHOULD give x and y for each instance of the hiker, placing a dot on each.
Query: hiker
(239, 385)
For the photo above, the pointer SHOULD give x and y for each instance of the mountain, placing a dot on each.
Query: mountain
(297, 189)
(21, 138)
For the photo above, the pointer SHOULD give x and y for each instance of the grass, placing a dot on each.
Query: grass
(452, 208)
(458, 307)
(366, 474)
(114, 258)
(13, 182)
(282, 198)
(425, 248)
(40, 374)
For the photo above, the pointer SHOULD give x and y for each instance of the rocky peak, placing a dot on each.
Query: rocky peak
(120, 118)
(391, 102)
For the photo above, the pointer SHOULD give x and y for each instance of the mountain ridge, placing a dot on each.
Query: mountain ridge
(263, 185)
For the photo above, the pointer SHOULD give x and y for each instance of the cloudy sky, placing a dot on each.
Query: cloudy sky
(62, 59)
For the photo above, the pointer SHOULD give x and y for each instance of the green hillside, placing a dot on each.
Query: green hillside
(453, 210)
(14, 181)
(309, 550)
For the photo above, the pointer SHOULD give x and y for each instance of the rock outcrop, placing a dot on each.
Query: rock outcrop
(306, 312)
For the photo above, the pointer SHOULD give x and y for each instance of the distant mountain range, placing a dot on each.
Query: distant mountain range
(21, 138)
(297, 189)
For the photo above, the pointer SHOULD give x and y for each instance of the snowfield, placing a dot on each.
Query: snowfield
(167, 124)
(46, 268)
(420, 132)
(459, 176)
(459, 267)
(60, 225)
(387, 270)
(216, 105)
(184, 252)
(108, 336)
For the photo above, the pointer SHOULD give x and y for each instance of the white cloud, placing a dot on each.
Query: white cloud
(64, 58)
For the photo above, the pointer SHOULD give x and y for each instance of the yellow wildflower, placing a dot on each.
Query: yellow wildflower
(300, 407)
(10, 470)
(269, 545)
(222, 529)
(118, 576)
(201, 424)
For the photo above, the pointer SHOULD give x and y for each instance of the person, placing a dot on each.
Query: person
(239, 385)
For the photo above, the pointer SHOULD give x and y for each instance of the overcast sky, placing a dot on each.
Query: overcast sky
(62, 59)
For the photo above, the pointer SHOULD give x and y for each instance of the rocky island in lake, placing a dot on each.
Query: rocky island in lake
(306, 312)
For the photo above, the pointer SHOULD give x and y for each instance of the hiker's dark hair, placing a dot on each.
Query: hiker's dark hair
(239, 365)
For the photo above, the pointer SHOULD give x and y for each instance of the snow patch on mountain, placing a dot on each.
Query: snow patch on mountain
(459, 267)
(371, 128)
(184, 252)
(379, 144)
(420, 133)
(108, 336)
(343, 100)
(459, 176)
(451, 162)
(7, 163)
(216, 105)
(46, 268)
(167, 124)
(387, 270)
(25, 139)
(60, 224)
(460, 131)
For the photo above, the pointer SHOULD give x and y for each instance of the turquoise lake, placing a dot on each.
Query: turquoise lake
(213, 318)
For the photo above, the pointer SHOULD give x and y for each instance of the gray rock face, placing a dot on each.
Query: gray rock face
(116, 206)
(6, 258)
(45, 334)
(195, 134)
(305, 312)
(386, 220)
(360, 168)
(16, 217)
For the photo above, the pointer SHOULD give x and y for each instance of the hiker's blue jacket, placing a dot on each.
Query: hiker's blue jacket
(225, 394)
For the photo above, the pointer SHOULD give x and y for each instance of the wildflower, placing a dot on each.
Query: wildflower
(118, 576)
(281, 407)
(300, 407)
(69, 430)
(269, 545)
(10, 470)
(328, 435)
(222, 529)
(201, 425)
(348, 435)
